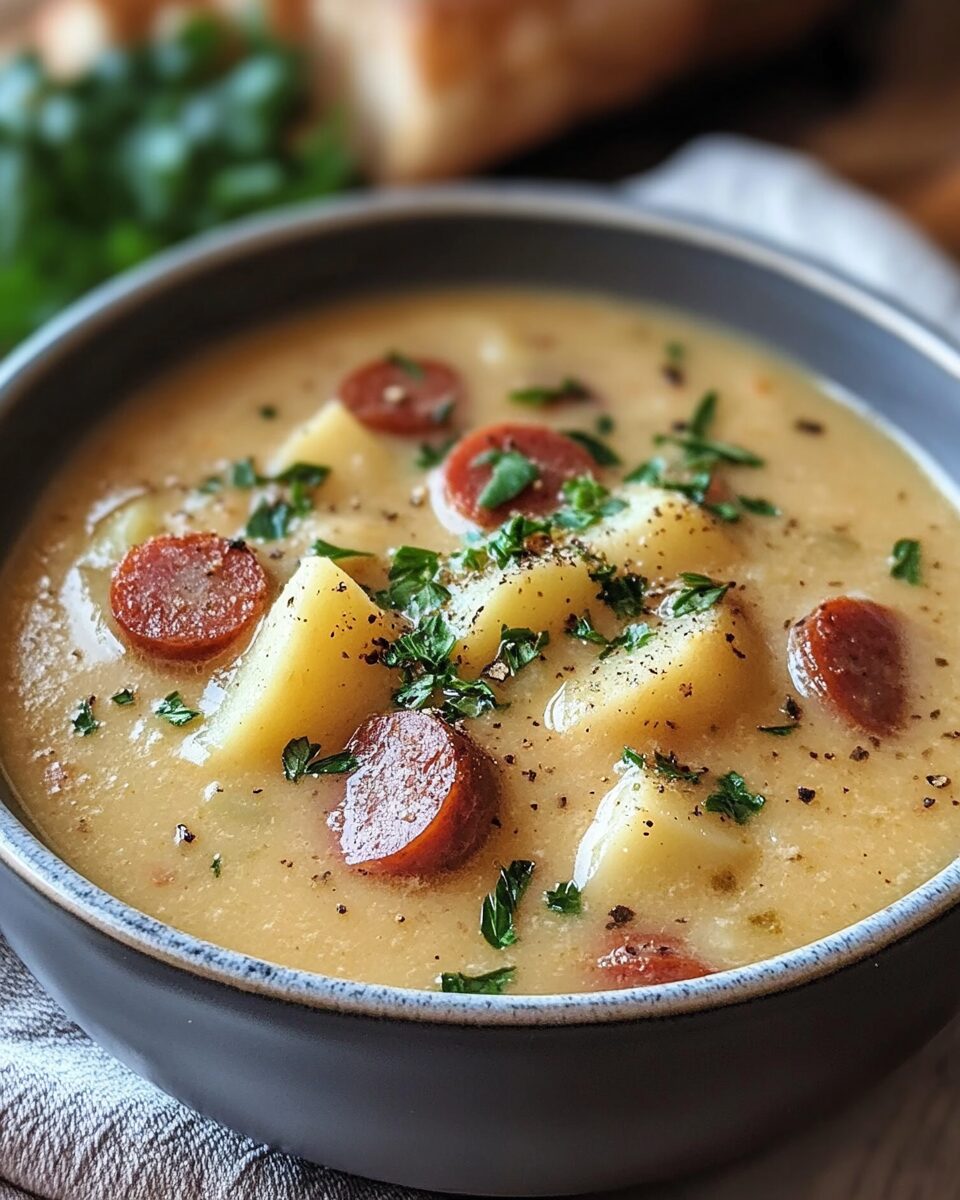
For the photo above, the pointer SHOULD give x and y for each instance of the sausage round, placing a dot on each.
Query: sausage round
(647, 961)
(189, 596)
(848, 653)
(462, 478)
(420, 801)
(405, 396)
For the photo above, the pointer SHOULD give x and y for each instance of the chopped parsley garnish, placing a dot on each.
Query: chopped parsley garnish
(564, 898)
(631, 638)
(734, 799)
(423, 655)
(512, 539)
(624, 593)
(905, 561)
(586, 503)
(493, 983)
(791, 709)
(758, 506)
(633, 758)
(777, 730)
(270, 521)
(216, 865)
(512, 474)
(409, 366)
(699, 449)
(605, 425)
(211, 485)
(543, 397)
(413, 585)
(465, 698)
(583, 629)
(243, 474)
(668, 766)
(428, 645)
(599, 451)
(432, 456)
(300, 757)
(699, 593)
(124, 697)
(309, 475)
(499, 906)
(518, 648)
(84, 722)
(324, 549)
(173, 710)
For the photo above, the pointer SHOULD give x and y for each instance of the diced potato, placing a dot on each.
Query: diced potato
(334, 438)
(539, 594)
(660, 534)
(692, 674)
(128, 525)
(306, 671)
(648, 835)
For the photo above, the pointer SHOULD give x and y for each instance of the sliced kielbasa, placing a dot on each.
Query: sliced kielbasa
(420, 801)
(646, 961)
(468, 468)
(411, 397)
(187, 597)
(848, 653)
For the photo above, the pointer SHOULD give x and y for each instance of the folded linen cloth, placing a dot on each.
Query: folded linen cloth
(75, 1125)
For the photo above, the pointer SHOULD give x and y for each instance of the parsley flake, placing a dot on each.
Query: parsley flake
(583, 629)
(493, 983)
(668, 766)
(499, 906)
(624, 593)
(173, 710)
(564, 898)
(124, 697)
(432, 456)
(905, 561)
(299, 758)
(758, 506)
(734, 799)
(699, 593)
(602, 454)
(413, 586)
(409, 366)
(512, 474)
(270, 521)
(518, 648)
(84, 722)
(586, 503)
(216, 865)
(543, 397)
(324, 549)
(633, 758)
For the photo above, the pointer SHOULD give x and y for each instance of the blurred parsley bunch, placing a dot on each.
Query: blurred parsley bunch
(153, 144)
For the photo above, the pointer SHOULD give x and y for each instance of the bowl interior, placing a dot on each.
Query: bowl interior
(85, 362)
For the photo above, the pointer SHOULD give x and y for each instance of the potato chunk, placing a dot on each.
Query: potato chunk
(692, 674)
(660, 534)
(335, 438)
(539, 593)
(305, 672)
(649, 835)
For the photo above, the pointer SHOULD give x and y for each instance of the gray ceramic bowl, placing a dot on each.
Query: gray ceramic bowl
(502, 1095)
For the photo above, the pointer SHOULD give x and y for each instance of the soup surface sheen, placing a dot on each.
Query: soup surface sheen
(219, 843)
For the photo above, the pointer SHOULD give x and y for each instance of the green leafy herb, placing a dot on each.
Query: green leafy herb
(493, 983)
(422, 655)
(675, 352)
(432, 456)
(512, 474)
(173, 710)
(270, 521)
(300, 757)
(586, 503)
(791, 709)
(758, 506)
(605, 425)
(243, 474)
(512, 539)
(905, 561)
(518, 648)
(428, 645)
(84, 722)
(625, 593)
(309, 475)
(409, 366)
(216, 865)
(705, 452)
(633, 758)
(565, 898)
(699, 593)
(124, 697)
(734, 799)
(412, 579)
(631, 639)
(703, 415)
(465, 698)
(324, 549)
(599, 451)
(583, 629)
(498, 908)
(211, 485)
(668, 766)
(777, 730)
(543, 397)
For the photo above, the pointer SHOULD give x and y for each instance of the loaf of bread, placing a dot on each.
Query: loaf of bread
(435, 88)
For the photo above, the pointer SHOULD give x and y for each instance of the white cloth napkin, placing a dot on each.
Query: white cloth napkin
(74, 1124)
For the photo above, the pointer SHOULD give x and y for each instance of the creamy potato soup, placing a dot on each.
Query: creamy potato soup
(493, 641)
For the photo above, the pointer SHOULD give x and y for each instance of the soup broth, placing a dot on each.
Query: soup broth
(696, 782)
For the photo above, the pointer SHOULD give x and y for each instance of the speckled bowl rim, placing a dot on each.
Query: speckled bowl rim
(27, 857)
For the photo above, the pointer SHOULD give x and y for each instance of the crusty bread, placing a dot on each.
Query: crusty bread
(435, 88)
